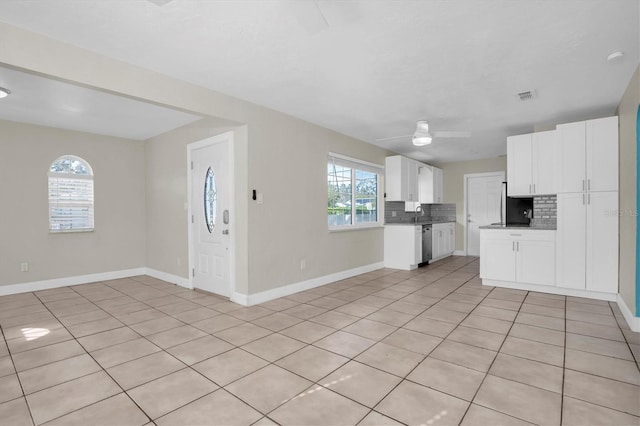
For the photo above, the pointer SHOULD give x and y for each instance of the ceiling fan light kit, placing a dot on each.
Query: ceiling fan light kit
(4, 92)
(421, 140)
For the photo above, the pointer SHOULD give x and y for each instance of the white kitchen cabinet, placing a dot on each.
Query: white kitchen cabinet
(402, 246)
(518, 256)
(401, 179)
(532, 163)
(438, 180)
(443, 239)
(429, 184)
(589, 155)
(588, 241)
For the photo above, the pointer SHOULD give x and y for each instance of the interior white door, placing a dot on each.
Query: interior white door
(483, 207)
(210, 204)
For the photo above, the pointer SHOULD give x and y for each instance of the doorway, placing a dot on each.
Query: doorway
(210, 205)
(482, 192)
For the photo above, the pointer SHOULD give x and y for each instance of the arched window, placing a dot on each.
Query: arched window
(70, 195)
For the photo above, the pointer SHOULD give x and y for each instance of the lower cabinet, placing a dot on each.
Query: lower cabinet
(443, 237)
(402, 246)
(526, 257)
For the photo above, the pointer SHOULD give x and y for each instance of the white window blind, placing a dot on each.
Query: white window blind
(70, 198)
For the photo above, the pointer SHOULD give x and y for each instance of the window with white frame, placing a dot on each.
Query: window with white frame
(70, 195)
(354, 192)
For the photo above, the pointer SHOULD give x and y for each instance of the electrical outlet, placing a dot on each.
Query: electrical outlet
(24, 267)
(394, 213)
(303, 264)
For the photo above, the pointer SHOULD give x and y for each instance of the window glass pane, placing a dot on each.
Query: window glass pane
(366, 197)
(210, 198)
(70, 195)
(339, 197)
(70, 165)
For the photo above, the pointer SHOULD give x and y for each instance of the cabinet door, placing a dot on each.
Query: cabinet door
(572, 157)
(412, 180)
(497, 259)
(425, 184)
(451, 237)
(437, 241)
(545, 157)
(571, 241)
(535, 262)
(438, 181)
(602, 241)
(417, 244)
(602, 154)
(519, 172)
(394, 178)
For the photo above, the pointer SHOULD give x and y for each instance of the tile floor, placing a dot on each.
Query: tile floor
(426, 347)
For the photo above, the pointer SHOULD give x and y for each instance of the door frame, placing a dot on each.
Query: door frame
(466, 178)
(226, 137)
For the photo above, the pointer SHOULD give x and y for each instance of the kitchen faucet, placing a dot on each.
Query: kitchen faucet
(415, 217)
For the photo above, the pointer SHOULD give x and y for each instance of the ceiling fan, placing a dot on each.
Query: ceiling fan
(422, 136)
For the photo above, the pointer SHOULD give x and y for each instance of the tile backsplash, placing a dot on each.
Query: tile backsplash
(545, 210)
(394, 212)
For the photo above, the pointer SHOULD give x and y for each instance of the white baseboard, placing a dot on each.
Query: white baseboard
(265, 296)
(459, 253)
(66, 281)
(632, 320)
(611, 297)
(182, 282)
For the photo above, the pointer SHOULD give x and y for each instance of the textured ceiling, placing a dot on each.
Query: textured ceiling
(370, 69)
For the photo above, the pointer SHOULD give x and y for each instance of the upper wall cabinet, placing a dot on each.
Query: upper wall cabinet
(589, 155)
(532, 162)
(410, 180)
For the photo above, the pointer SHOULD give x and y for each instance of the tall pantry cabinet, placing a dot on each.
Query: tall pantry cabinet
(587, 244)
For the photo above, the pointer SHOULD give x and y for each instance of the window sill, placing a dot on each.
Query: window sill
(355, 228)
(71, 231)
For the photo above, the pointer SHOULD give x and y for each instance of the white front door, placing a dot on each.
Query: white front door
(482, 206)
(210, 215)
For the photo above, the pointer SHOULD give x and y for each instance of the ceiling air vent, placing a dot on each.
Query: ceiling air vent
(527, 96)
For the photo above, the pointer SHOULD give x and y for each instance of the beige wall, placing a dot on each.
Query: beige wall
(453, 186)
(118, 242)
(627, 111)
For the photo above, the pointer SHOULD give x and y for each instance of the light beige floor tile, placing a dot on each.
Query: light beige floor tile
(327, 302)
(108, 338)
(93, 327)
(312, 363)
(309, 409)
(543, 310)
(541, 321)
(242, 334)
(37, 338)
(217, 323)
(417, 405)
(537, 334)
(487, 324)
(476, 337)
(599, 346)
(21, 320)
(64, 398)
(6, 366)
(406, 308)
(126, 308)
(199, 349)
(581, 413)
(58, 372)
(124, 352)
(177, 308)
(412, 341)
(464, 355)
(501, 304)
(15, 413)
(156, 325)
(589, 305)
(196, 315)
(480, 416)
(370, 329)
(268, 387)
(519, 400)
(536, 351)
(9, 388)
(176, 336)
(47, 354)
(391, 359)
(335, 319)
(595, 330)
(217, 408)
(116, 410)
(141, 316)
(167, 393)
(251, 313)
(142, 370)
(273, 347)
(393, 318)
(279, 304)
(529, 372)
(497, 313)
(587, 317)
(277, 321)
(377, 419)
(364, 306)
(601, 391)
(95, 315)
(449, 378)
(19, 331)
(308, 331)
(430, 326)
(361, 383)
(446, 315)
(265, 421)
(229, 366)
(604, 366)
(304, 311)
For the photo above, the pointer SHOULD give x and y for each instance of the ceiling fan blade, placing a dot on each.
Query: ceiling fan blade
(393, 137)
(309, 15)
(446, 134)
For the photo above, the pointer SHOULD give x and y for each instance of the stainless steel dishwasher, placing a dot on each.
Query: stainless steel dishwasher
(426, 244)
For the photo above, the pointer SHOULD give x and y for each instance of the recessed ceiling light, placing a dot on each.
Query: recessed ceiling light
(615, 55)
(4, 92)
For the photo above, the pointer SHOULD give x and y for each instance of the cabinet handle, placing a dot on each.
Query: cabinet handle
(534, 188)
(583, 185)
(515, 235)
(589, 184)
(513, 246)
(589, 198)
(517, 245)
(529, 188)
(583, 201)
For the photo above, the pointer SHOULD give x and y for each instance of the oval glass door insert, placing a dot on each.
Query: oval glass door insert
(210, 200)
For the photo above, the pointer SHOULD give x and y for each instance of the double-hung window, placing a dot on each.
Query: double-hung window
(354, 190)
(70, 195)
